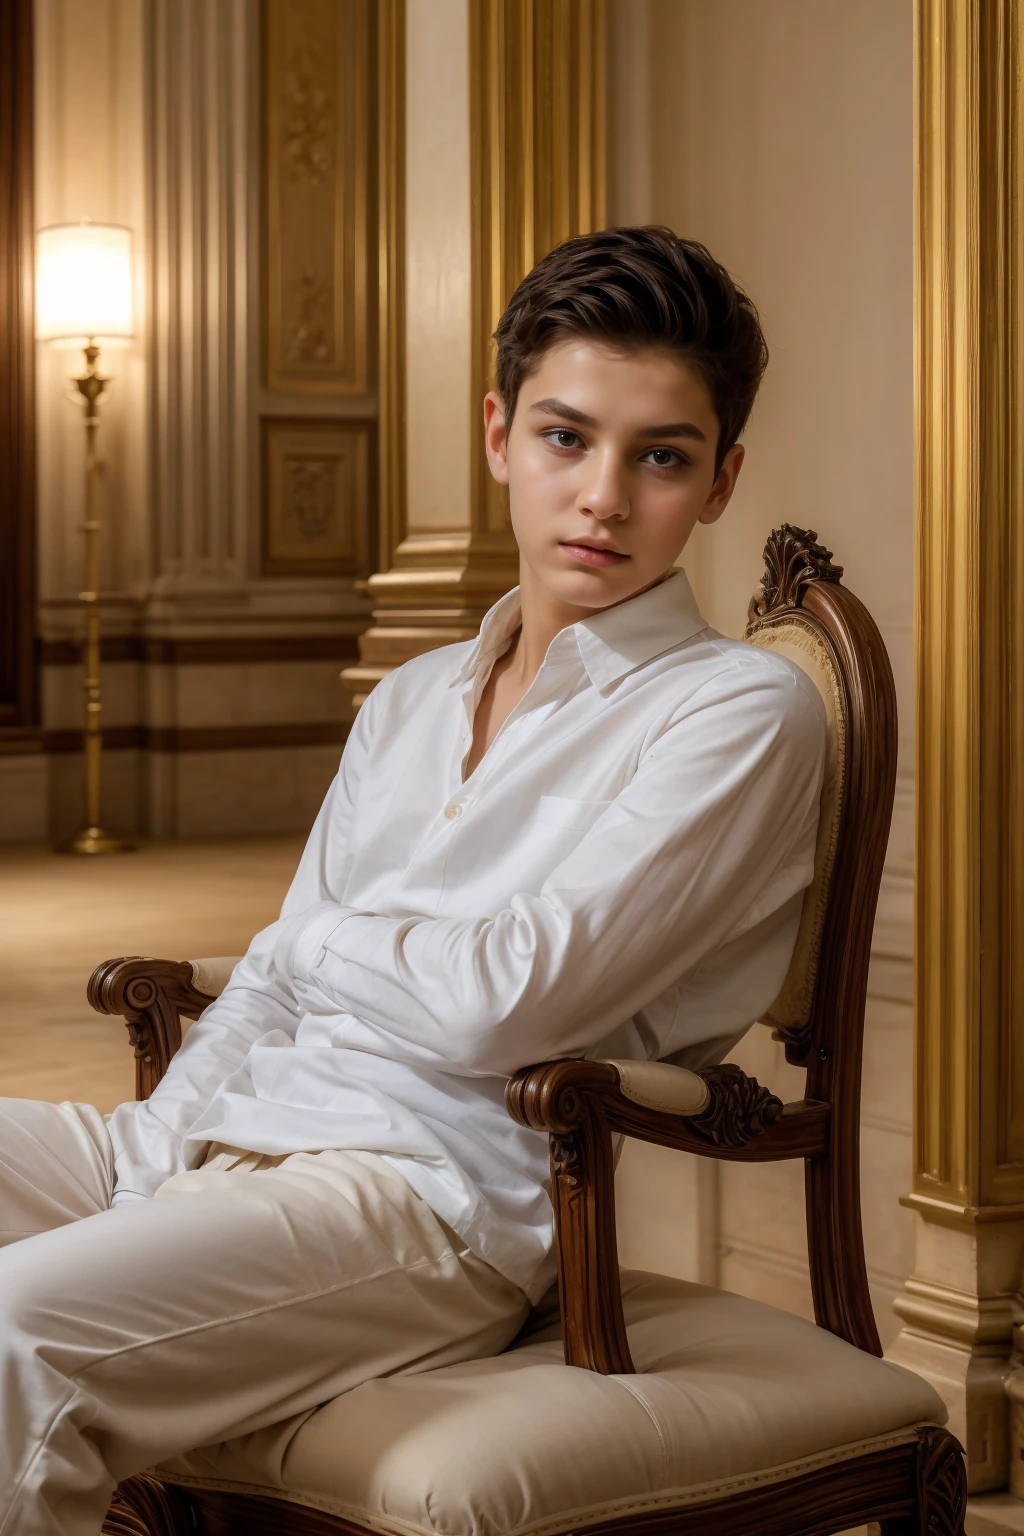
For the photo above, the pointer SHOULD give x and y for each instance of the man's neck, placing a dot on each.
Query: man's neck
(543, 617)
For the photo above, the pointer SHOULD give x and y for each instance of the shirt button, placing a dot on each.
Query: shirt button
(451, 812)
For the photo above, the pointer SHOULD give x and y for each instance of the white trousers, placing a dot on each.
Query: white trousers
(247, 1292)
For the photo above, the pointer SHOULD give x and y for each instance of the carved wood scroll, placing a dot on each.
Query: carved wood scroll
(792, 558)
(152, 996)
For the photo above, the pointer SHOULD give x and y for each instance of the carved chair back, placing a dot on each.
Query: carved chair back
(805, 613)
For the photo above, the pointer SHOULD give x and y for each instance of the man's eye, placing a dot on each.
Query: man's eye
(664, 458)
(564, 438)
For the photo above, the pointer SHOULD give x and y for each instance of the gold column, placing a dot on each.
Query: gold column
(969, 1132)
(536, 168)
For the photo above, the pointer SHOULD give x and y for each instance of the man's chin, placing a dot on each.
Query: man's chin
(592, 588)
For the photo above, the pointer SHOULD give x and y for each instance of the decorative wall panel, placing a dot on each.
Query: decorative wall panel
(319, 69)
(316, 497)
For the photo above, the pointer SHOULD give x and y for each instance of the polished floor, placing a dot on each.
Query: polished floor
(60, 916)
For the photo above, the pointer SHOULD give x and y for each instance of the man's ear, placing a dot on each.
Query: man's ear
(495, 436)
(724, 486)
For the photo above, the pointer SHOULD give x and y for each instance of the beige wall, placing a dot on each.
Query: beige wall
(780, 135)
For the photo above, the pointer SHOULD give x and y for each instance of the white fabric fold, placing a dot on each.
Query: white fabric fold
(444, 931)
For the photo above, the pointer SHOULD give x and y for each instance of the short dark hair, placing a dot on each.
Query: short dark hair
(643, 287)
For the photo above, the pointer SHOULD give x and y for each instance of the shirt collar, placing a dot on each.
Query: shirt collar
(610, 644)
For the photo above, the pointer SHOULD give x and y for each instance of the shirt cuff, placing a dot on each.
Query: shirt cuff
(310, 944)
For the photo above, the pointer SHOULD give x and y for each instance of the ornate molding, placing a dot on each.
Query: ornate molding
(316, 497)
(318, 105)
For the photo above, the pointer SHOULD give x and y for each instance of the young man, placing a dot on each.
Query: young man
(586, 832)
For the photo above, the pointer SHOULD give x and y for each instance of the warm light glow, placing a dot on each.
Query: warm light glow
(83, 281)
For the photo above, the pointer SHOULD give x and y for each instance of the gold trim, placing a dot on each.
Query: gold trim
(391, 472)
(538, 168)
(969, 257)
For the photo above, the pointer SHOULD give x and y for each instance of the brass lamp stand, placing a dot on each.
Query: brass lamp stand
(92, 839)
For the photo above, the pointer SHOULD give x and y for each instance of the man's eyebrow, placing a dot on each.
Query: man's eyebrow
(552, 407)
(676, 429)
(559, 408)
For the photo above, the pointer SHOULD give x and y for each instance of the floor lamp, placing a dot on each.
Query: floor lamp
(83, 297)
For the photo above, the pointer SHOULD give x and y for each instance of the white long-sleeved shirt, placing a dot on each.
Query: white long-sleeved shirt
(620, 875)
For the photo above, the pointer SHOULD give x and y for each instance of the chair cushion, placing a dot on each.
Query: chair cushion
(729, 1392)
(802, 643)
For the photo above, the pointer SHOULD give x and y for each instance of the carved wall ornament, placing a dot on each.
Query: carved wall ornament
(318, 512)
(309, 127)
(311, 497)
(311, 304)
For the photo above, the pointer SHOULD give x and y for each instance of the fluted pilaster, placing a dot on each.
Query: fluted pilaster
(199, 75)
(505, 157)
(969, 1105)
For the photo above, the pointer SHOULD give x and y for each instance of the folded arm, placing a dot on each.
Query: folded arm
(714, 832)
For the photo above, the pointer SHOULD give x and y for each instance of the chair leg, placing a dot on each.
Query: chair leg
(144, 1507)
(941, 1484)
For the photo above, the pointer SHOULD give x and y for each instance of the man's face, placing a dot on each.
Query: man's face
(610, 463)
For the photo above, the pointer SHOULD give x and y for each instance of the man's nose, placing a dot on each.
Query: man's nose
(605, 493)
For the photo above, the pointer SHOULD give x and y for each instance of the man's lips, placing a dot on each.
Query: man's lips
(590, 556)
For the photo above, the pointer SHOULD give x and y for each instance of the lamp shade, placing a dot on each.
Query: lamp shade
(83, 281)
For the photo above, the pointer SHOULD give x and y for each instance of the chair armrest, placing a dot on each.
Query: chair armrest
(152, 996)
(581, 1104)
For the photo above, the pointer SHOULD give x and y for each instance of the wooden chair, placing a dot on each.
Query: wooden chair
(690, 1410)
